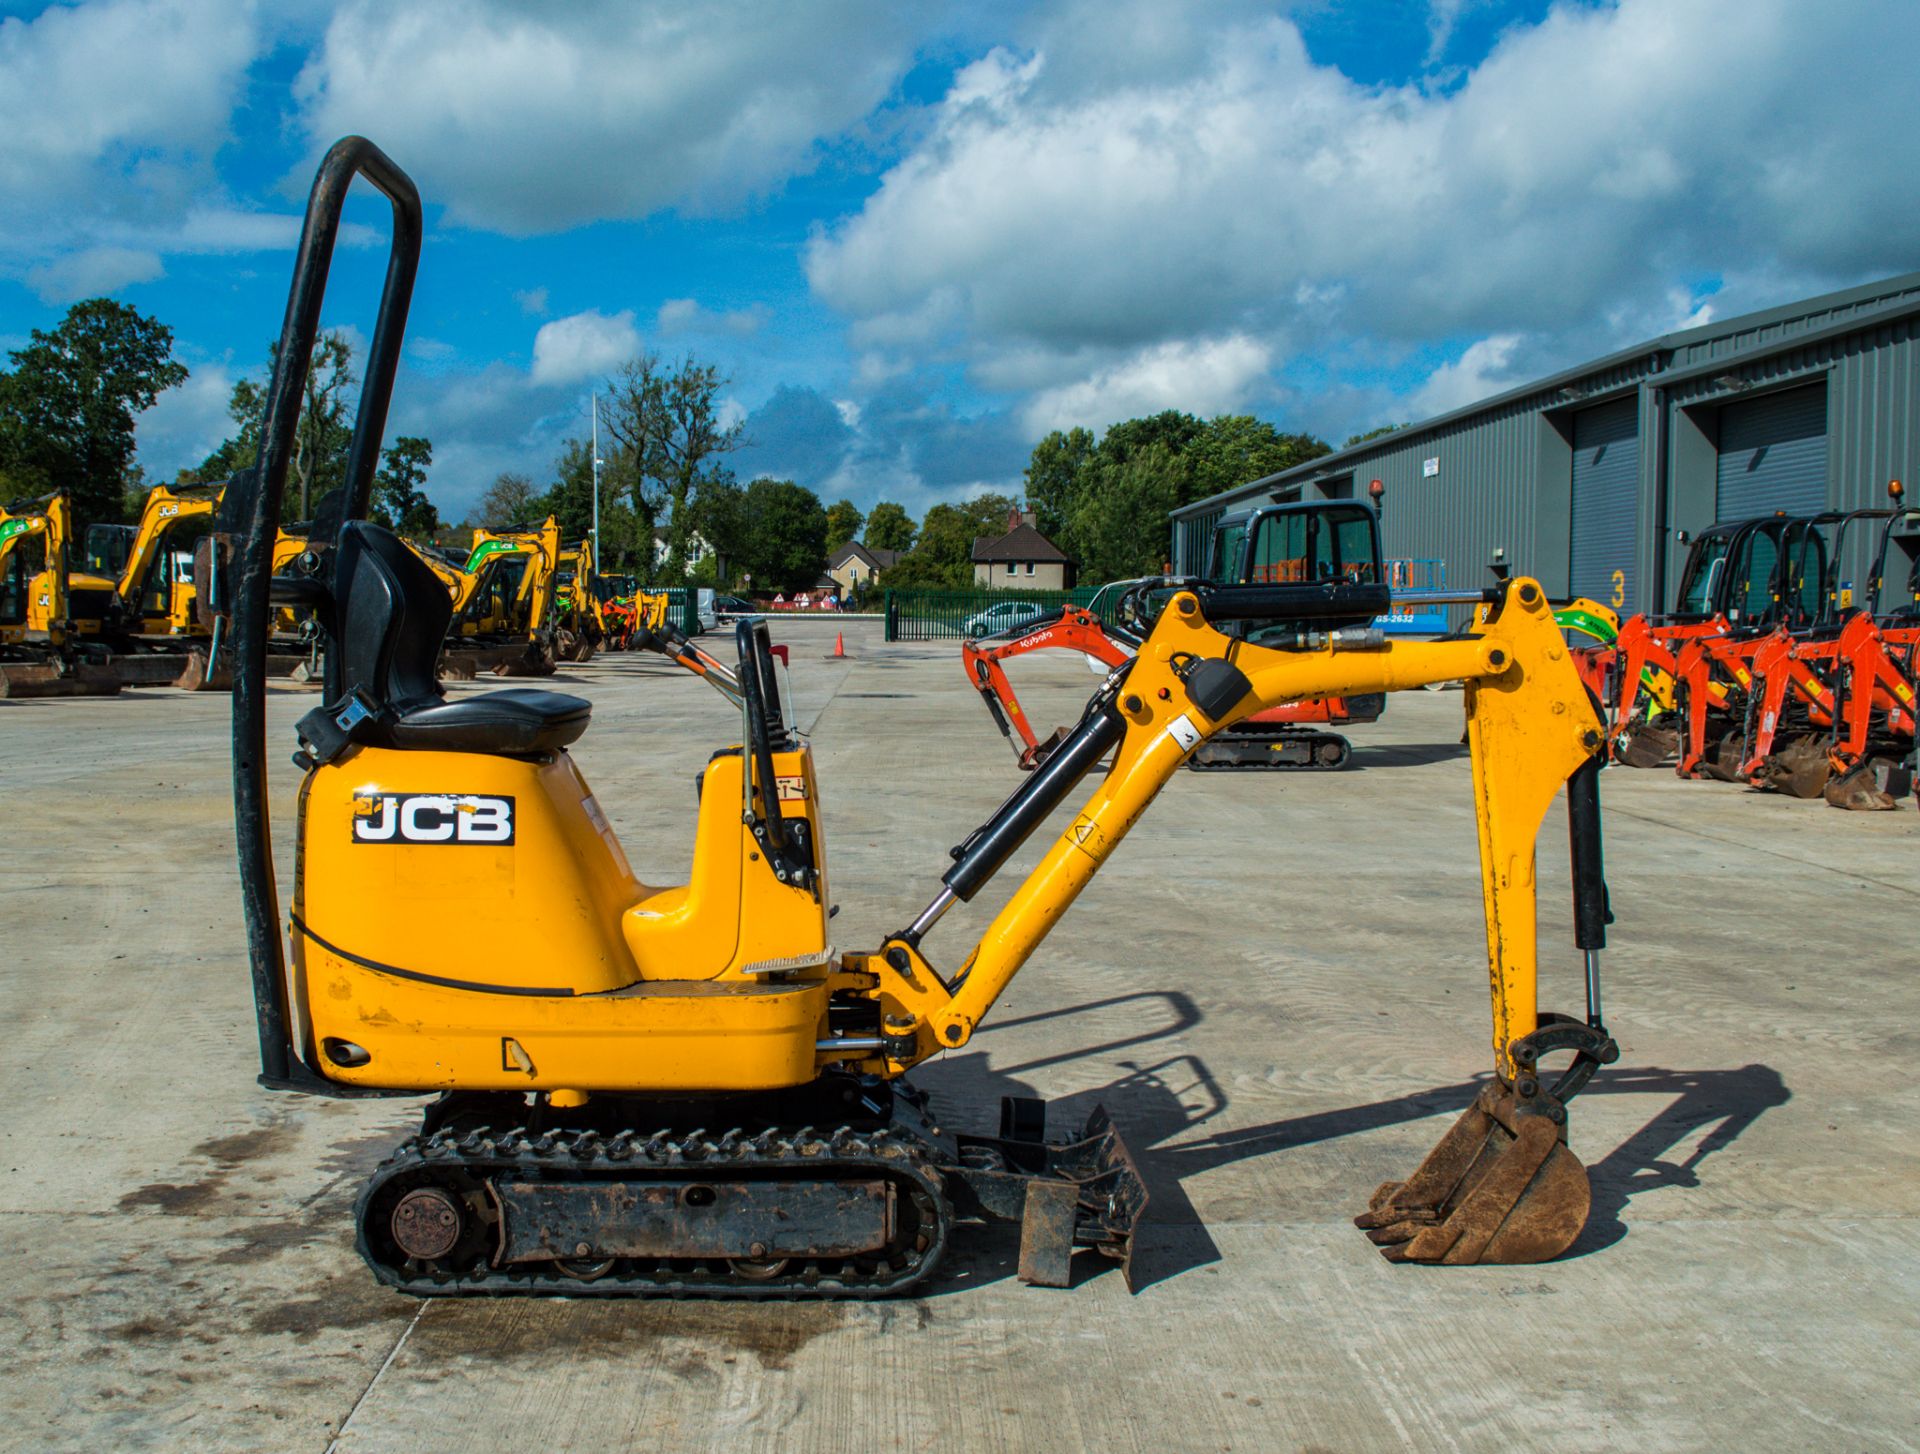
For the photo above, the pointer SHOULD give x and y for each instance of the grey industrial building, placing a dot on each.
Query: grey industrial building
(1590, 478)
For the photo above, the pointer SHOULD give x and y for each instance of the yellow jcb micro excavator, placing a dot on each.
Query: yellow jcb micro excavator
(688, 1090)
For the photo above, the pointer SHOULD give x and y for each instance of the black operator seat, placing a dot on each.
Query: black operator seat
(394, 614)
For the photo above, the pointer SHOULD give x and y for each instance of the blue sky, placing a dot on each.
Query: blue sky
(916, 237)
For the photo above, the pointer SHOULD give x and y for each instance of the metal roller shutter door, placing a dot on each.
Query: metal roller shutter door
(1606, 501)
(1773, 454)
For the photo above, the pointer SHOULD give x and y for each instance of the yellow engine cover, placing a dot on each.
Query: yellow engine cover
(469, 921)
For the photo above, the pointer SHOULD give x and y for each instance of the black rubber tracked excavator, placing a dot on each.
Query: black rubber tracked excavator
(687, 1090)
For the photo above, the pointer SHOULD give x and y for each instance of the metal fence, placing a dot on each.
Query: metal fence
(927, 615)
(684, 609)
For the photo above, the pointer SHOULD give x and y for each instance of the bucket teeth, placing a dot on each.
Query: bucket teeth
(1500, 1187)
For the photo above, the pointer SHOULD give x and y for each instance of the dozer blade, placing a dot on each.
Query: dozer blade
(1085, 1192)
(1500, 1187)
(23, 680)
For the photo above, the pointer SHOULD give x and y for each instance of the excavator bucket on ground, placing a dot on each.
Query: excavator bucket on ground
(1798, 767)
(1500, 1187)
(1876, 785)
(1646, 744)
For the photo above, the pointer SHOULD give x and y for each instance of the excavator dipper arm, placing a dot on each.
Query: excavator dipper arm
(1531, 728)
(1072, 630)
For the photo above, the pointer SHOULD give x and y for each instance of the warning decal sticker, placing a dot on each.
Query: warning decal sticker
(1182, 731)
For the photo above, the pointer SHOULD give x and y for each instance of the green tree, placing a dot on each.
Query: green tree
(1056, 474)
(843, 524)
(889, 527)
(786, 535)
(399, 490)
(943, 554)
(1234, 449)
(325, 431)
(67, 405)
(721, 518)
(668, 418)
(509, 501)
(246, 407)
(321, 438)
(1119, 525)
(1362, 438)
(570, 500)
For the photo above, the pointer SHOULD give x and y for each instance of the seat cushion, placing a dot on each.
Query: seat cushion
(518, 719)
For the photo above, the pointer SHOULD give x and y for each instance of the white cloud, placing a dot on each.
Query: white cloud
(187, 422)
(685, 315)
(1209, 376)
(582, 345)
(532, 119)
(1480, 372)
(1043, 220)
(111, 112)
(532, 301)
(91, 272)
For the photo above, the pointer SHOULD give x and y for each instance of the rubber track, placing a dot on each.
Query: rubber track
(482, 1153)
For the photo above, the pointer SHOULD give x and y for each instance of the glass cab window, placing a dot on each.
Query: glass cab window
(108, 547)
(1315, 546)
(1228, 543)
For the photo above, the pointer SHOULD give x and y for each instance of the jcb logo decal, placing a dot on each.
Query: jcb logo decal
(432, 818)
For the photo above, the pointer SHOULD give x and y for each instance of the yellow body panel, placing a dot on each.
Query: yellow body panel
(432, 955)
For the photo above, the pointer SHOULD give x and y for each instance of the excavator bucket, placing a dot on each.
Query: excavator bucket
(1866, 787)
(1500, 1187)
(198, 676)
(1646, 744)
(1799, 767)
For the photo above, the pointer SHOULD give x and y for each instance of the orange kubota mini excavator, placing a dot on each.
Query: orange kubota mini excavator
(1248, 548)
(688, 1090)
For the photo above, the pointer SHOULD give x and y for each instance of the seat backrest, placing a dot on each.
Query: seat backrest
(393, 617)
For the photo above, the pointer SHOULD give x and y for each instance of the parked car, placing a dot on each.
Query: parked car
(1004, 617)
(730, 607)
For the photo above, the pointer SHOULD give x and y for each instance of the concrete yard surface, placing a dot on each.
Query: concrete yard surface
(1277, 986)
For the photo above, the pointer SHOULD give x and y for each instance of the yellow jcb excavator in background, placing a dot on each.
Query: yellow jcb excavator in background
(49, 638)
(579, 628)
(688, 1090)
(500, 620)
(131, 614)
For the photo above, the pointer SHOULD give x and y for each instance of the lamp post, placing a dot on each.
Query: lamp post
(596, 483)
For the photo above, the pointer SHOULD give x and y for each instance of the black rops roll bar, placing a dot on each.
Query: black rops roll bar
(252, 514)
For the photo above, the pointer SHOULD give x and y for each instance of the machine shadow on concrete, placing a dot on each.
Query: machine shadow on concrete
(1155, 1104)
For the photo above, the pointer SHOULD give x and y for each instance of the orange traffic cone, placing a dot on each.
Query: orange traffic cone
(839, 646)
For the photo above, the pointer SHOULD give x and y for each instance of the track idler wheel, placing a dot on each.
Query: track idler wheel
(1502, 1185)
